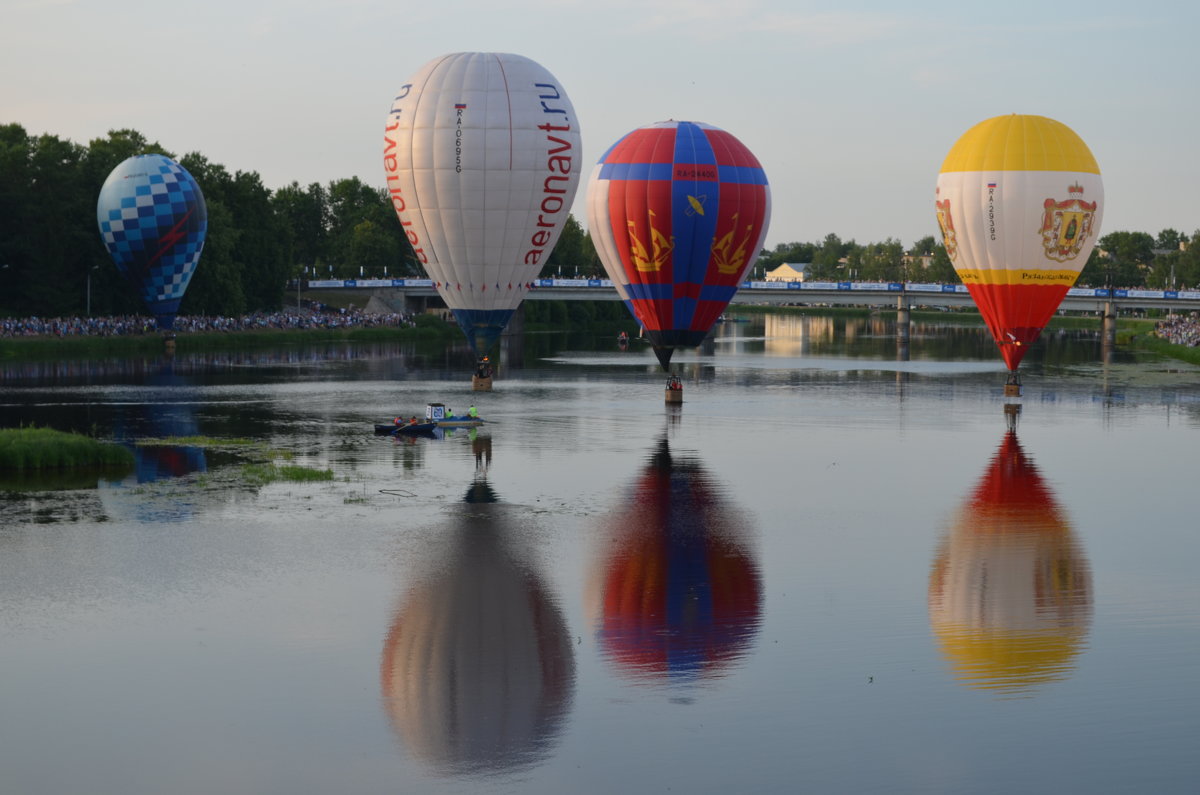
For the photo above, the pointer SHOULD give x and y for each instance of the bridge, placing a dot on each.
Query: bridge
(416, 293)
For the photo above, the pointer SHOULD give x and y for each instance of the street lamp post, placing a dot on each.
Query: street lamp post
(89, 288)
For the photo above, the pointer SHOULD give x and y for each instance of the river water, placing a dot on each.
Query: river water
(839, 566)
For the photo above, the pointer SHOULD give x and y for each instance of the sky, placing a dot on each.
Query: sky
(851, 107)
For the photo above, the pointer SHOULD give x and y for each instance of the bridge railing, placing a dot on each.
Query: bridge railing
(875, 287)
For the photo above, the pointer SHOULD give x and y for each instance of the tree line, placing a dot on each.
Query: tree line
(53, 263)
(1170, 261)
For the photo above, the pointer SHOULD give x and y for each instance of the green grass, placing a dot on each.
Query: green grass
(195, 441)
(262, 474)
(45, 449)
(1149, 342)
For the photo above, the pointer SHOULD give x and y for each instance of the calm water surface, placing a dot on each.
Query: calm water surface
(834, 569)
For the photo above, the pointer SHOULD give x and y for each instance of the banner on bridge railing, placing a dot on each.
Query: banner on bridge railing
(874, 287)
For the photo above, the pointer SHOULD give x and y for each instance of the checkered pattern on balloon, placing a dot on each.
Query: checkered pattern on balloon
(153, 221)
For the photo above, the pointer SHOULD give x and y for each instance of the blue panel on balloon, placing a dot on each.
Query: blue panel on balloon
(153, 221)
(482, 326)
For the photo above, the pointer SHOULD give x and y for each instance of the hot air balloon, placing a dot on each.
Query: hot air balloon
(677, 594)
(1010, 591)
(153, 220)
(1019, 203)
(481, 153)
(678, 212)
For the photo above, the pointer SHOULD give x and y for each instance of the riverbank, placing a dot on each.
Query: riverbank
(426, 328)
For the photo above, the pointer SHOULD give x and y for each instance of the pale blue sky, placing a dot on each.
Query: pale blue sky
(851, 111)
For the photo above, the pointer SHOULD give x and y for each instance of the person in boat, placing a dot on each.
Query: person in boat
(413, 421)
(396, 421)
(483, 368)
(449, 413)
(473, 412)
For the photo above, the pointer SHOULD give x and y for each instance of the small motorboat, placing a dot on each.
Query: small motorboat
(460, 422)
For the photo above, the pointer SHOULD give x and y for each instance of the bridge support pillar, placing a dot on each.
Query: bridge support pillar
(516, 323)
(903, 319)
(1109, 322)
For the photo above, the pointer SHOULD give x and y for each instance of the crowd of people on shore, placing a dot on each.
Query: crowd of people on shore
(313, 316)
(1180, 329)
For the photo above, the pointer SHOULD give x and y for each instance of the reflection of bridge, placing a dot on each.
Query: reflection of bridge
(416, 292)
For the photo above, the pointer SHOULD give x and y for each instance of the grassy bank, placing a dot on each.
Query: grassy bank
(1148, 342)
(428, 328)
(44, 449)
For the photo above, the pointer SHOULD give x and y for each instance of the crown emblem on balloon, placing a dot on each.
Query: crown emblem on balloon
(652, 260)
(1076, 188)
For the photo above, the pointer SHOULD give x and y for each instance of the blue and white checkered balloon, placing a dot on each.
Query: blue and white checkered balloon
(153, 220)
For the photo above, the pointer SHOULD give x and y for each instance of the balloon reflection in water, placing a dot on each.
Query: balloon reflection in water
(154, 462)
(679, 594)
(1010, 593)
(477, 671)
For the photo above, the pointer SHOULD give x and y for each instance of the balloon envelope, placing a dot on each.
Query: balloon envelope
(481, 153)
(153, 221)
(678, 212)
(1019, 203)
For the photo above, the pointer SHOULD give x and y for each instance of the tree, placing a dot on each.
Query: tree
(570, 254)
(305, 215)
(1120, 259)
(1169, 239)
(826, 258)
(941, 269)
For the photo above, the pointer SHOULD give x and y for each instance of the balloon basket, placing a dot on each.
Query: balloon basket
(673, 394)
(481, 383)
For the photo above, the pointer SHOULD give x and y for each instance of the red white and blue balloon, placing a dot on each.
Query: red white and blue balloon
(153, 221)
(678, 212)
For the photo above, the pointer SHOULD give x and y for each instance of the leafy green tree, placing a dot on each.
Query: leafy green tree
(305, 216)
(825, 260)
(881, 261)
(941, 269)
(1120, 259)
(373, 249)
(569, 256)
(1169, 239)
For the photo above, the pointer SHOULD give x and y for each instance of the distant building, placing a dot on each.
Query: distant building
(788, 272)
